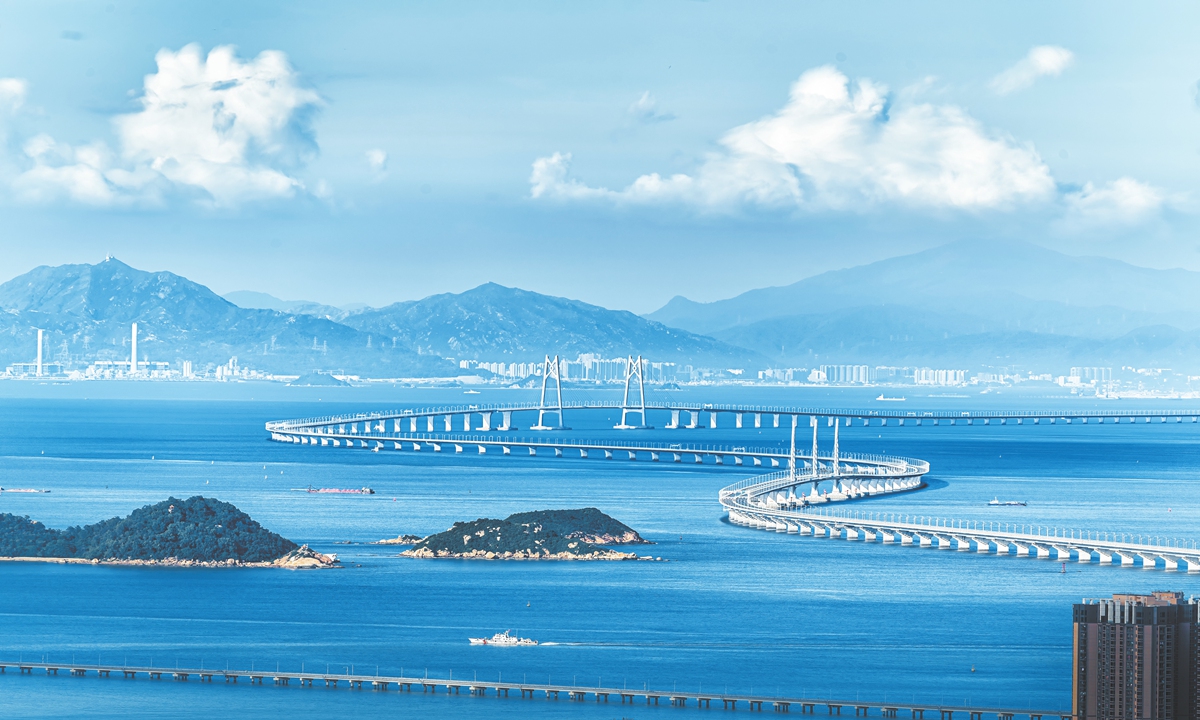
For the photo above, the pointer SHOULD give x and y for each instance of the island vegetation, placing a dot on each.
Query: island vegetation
(196, 531)
(540, 535)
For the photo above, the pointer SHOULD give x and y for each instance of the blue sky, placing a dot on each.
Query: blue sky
(619, 153)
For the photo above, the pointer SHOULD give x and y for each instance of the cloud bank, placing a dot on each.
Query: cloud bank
(1042, 61)
(214, 127)
(839, 145)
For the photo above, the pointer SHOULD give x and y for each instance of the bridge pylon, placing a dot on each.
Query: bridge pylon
(634, 369)
(551, 368)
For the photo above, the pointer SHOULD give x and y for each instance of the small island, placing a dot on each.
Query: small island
(197, 532)
(539, 535)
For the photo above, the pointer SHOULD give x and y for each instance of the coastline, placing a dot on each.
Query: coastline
(607, 555)
(302, 558)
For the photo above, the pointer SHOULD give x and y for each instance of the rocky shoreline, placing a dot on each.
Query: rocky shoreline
(601, 554)
(579, 534)
(302, 558)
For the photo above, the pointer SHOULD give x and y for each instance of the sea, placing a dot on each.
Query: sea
(730, 609)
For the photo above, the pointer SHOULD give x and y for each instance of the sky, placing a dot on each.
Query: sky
(619, 153)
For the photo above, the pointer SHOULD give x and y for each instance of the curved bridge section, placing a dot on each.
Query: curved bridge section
(782, 501)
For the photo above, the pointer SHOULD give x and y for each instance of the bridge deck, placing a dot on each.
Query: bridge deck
(678, 698)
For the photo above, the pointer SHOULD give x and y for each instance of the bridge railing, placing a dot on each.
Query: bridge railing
(1046, 532)
(826, 412)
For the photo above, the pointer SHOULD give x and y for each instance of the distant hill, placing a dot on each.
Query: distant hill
(263, 301)
(86, 311)
(965, 303)
(499, 323)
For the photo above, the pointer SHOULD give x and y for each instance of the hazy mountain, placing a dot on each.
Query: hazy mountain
(263, 301)
(965, 304)
(86, 311)
(501, 323)
(1012, 286)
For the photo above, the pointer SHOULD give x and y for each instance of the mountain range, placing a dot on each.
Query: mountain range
(965, 304)
(86, 311)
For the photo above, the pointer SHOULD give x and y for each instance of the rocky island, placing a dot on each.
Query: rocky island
(539, 535)
(197, 532)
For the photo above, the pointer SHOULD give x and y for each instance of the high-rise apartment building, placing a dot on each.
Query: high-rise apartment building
(1136, 658)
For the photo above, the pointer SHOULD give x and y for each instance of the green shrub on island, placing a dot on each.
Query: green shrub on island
(559, 534)
(197, 529)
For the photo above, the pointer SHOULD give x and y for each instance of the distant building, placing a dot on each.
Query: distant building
(1135, 657)
(847, 374)
(930, 376)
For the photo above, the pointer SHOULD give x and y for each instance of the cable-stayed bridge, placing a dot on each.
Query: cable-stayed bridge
(785, 500)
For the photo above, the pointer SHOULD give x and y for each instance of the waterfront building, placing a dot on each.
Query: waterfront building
(1135, 657)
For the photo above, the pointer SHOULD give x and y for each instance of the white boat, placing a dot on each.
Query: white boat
(470, 392)
(995, 502)
(888, 399)
(503, 639)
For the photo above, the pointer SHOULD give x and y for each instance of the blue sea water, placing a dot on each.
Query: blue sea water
(734, 608)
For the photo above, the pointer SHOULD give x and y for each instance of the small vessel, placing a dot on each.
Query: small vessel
(470, 392)
(337, 491)
(995, 502)
(22, 490)
(884, 398)
(503, 639)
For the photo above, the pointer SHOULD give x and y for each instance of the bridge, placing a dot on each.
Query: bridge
(529, 691)
(783, 501)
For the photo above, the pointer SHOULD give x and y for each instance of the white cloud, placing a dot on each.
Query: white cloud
(1042, 61)
(645, 110)
(1124, 201)
(377, 159)
(833, 145)
(216, 126)
(12, 94)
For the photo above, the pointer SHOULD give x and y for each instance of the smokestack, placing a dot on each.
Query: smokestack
(39, 357)
(133, 352)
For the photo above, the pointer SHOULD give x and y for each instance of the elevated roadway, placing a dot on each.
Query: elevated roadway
(569, 694)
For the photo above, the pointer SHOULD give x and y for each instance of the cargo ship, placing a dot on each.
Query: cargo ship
(337, 491)
(22, 490)
(997, 502)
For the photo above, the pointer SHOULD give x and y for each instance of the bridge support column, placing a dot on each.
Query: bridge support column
(467, 422)
(634, 370)
(429, 424)
(551, 368)
(757, 420)
(506, 420)
(695, 419)
(674, 424)
(449, 422)
(737, 421)
(412, 424)
(712, 420)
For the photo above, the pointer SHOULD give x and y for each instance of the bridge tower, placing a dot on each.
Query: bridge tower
(813, 422)
(551, 368)
(634, 369)
(792, 452)
(837, 421)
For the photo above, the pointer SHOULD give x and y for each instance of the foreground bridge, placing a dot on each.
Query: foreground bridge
(530, 691)
(757, 505)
